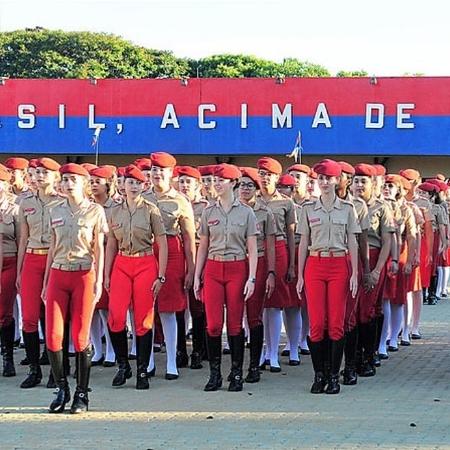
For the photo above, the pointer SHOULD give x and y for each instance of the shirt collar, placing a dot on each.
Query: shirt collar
(336, 204)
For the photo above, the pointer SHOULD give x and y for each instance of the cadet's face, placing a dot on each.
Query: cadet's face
(312, 187)
(160, 177)
(98, 185)
(301, 179)
(344, 180)
(31, 177)
(188, 186)
(133, 187)
(326, 184)
(390, 191)
(18, 177)
(222, 186)
(73, 185)
(121, 185)
(44, 177)
(267, 180)
(247, 188)
(286, 190)
(363, 186)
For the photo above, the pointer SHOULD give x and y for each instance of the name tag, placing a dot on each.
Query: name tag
(116, 226)
(29, 210)
(315, 221)
(214, 222)
(57, 222)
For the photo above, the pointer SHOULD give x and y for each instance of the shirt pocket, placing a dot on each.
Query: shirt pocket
(238, 228)
(339, 229)
(86, 233)
(117, 230)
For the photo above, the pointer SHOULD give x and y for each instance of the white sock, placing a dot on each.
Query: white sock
(17, 319)
(305, 329)
(407, 317)
(265, 354)
(440, 282)
(110, 356)
(445, 279)
(293, 327)
(151, 364)
(385, 329)
(416, 310)
(274, 317)
(169, 325)
(287, 346)
(96, 336)
(396, 323)
(133, 331)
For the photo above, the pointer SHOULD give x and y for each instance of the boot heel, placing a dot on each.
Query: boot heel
(62, 398)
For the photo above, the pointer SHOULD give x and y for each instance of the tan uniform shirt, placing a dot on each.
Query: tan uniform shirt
(174, 208)
(135, 231)
(26, 193)
(381, 221)
(228, 231)
(438, 216)
(328, 229)
(198, 206)
(425, 206)
(36, 212)
(283, 210)
(361, 211)
(408, 226)
(265, 223)
(9, 226)
(75, 232)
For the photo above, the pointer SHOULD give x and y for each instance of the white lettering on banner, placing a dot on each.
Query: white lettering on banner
(201, 116)
(244, 122)
(402, 115)
(379, 122)
(92, 124)
(61, 116)
(282, 119)
(321, 117)
(170, 117)
(27, 119)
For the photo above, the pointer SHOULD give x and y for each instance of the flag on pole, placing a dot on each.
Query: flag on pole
(96, 136)
(296, 152)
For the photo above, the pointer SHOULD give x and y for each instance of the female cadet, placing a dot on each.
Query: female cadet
(227, 235)
(190, 184)
(9, 231)
(379, 236)
(265, 273)
(291, 314)
(208, 191)
(328, 228)
(178, 218)
(283, 210)
(132, 275)
(34, 243)
(73, 282)
(102, 189)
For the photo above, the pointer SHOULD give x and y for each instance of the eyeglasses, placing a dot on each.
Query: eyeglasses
(248, 185)
(284, 186)
(389, 185)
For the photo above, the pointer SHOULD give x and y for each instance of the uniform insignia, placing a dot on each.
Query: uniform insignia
(317, 220)
(214, 222)
(57, 222)
(29, 210)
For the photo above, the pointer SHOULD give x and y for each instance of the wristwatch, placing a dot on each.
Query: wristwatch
(162, 279)
(271, 272)
(252, 280)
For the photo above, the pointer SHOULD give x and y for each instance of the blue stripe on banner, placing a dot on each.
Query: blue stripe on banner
(142, 135)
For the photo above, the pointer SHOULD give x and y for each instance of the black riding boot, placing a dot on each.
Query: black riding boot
(379, 326)
(182, 358)
(143, 351)
(7, 345)
(256, 343)
(120, 345)
(43, 360)
(80, 402)
(350, 347)
(32, 348)
(432, 298)
(327, 357)
(237, 347)
(367, 336)
(198, 341)
(62, 387)
(318, 353)
(336, 353)
(215, 357)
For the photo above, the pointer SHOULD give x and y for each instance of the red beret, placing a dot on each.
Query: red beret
(48, 163)
(394, 178)
(4, 174)
(299, 168)
(162, 159)
(312, 175)
(227, 171)
(287, 180)
(121, 171)
(365, 170)
(16, 163)
(88, 166)
(328, 167)
(346, 167)
(439, 176)
(270, 164)
(33, 163)
(440, 184)
(76, 169)
(410, 174)
(380, 170)
(175, 173)
(132, 171)
(189, 171)
(206, 170)
(428, 187)
(250, 172)
(102, 172)
(143, 163)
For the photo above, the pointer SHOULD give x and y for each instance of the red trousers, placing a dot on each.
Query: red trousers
(326, 287)
(8, 292)
(131, 282)
(255, 304)
(281, 297)
(351, 308)
(69, 294)
(403, 280)
(32, 279)
(425, 269)
(435, 262)
(369, 301)
(223, 285)
(295, 302)
(172, 297)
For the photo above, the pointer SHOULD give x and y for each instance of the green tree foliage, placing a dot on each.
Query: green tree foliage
(352, 73)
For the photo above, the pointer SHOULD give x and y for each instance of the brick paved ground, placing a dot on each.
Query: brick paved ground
(407, 405)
